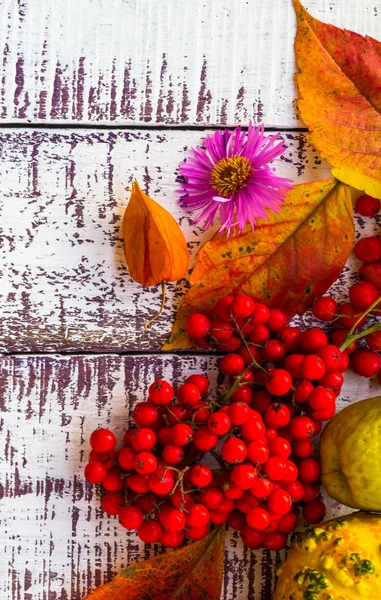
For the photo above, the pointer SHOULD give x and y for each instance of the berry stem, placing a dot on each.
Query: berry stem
(357, 336)
(163, 296)
(247, 347)
(235, 386)
(350, 332)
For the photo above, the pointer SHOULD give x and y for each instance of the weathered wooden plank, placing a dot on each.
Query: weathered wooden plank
(64, 281)
(169, 62)
(57, 543)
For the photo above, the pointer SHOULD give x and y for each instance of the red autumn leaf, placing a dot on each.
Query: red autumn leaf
(191, 573)
(339, 84)
(285, 262)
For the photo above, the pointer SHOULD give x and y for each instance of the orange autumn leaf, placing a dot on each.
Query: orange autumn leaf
(339, 84)
(285, 262)
(154, 244)
(191, 573)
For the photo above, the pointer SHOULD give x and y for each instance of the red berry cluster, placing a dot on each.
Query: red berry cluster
(364, 302)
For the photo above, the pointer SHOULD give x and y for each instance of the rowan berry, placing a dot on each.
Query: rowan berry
(259, 334)
(368, 249)
(302, 391)
(211, 497)
(314, 511)
(130, 517)
(312, 367)
(349, 316)
(362, 295)
(252, 538)
(275, 541)
(295, 489)
(287, 522)
(258, 452)
(273, 351)
(312, 339)
(197, 325)
(197, 533)
(95, 472)
(325, 308)
(201, 476)
(113, 481)
(181, 434)
(303, 449)
(279, 502)
(367, 206)
(365, 362)
(138, 483)
(234, 450)
(199, 381)
(277, 415)
(145, 463)
(149, 531)
(161, 481)
(262, 487)
(112, 502)
(371, 272)
(170, 539)
(242, 306)
(198, 516)
(171, 519)
(277, 320)
(221, 330)
(261, 314)
(237, 520)
(275, 468)
(301, 427)
(309, 470)
(239, 413)
(290, 338)
(243, 476)
(188, 394)
(280, 447)
(204, 439)
(102, 440)
(243, 394)
(145, 414)
(258, 518)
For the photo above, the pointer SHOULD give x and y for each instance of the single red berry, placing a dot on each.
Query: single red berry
(371, 272)
(278, 382)
(217, 517)
(234, 450)
(95, 472)
(176, 413)
(261, 399)
(222, 310)
(277, 320)
(252, 538)
(232, 364)
(231, 491)
(290, 338)
(344, 362)
(198, 516)
(331, 356)
(138, 483)
(143, 439)
(273, 351)
(287, 523)
(204, 439)
(243, 476)
(277, 415)
(237, 520)
(365, 362)
(113, 481)
(164, 435)
(243, 394)
(145, 503)
(160, 392)
(302, 391)
(247, 502)
(368, 249)
(242, 306)
(171, 519)
(280, 447)
(170, 539)
(231, 345)
(275, 468)
(112, 502)
(201, 382)
(149, 531)
(248, 354)
(203, 342)
(219, 423)
(362, 295)
(301, 428)
(314, 512)
(349, 316)
(182, 434)
(197, 325)
(258, 452)
(292, 364)
(271, 433)
(325, 308)
(145, 463)
(197, 533)
(261, 314)
(201, 412)
(130, 517)
(332, 381)
(275, 541)
(279, 502)
(309, 470)
(303, 449)
(312, 339)
(200, 476)
(258, 518)
(367, 206)
(107, 458)
(374, 341)
(161, 481)
(227, 505)
(102, 440)
(254, 428)
(180, 501)
(172, 454)
(259, 335)
(221, 331)
(295, 489)
(188, 394)
(145, 414)
(239, 413)
(211, 497)
(310, 491)
(126, 458)
(291, 471)
(312, 367)
(321, 399)
(262, 487)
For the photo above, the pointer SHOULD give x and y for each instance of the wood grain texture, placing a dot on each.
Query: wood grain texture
(65, 285)
(169, 62)
(57, 543)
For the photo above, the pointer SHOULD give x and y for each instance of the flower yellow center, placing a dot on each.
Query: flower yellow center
(231, 174)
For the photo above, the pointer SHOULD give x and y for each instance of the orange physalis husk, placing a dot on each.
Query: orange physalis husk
(154, 245)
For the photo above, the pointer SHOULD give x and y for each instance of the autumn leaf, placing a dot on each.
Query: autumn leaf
(339, 84)
(191, 573)
(285, 262)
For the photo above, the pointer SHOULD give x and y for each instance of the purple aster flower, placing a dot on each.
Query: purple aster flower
(232, 176)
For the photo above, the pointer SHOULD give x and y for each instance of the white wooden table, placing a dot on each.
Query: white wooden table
(92, 94)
